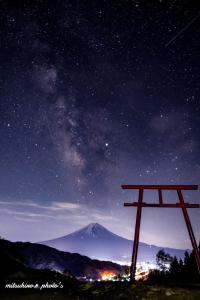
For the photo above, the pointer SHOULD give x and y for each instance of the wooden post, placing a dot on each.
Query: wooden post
(160, 197)
(137, 235)
(190, 230)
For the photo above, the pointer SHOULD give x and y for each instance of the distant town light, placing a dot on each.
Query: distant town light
(107, 275)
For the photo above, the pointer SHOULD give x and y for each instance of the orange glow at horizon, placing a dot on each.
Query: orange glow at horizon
(108, 275)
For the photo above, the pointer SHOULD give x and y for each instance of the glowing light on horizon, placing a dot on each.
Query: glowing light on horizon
(107, 275)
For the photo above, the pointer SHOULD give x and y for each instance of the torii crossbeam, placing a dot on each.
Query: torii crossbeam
(139, 204)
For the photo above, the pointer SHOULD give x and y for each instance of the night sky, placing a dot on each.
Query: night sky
(95, 94)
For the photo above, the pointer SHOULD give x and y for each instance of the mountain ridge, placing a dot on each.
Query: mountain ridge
(21, 255)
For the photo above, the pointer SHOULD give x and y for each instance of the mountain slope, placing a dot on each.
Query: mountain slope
(96, 241)
(38, 256)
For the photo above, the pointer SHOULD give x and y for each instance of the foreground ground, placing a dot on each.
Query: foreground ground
(106, 291)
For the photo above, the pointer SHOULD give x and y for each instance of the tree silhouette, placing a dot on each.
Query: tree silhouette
(163, 260)
(172, 269)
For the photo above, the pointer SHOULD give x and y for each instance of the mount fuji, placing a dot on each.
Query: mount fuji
(97, 242)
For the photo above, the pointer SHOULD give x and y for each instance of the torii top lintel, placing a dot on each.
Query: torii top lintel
(159, 187)
(178, 188)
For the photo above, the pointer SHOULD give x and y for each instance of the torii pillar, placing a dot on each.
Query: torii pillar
(183, 205)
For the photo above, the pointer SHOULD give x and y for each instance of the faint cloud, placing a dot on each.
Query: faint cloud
(65, 205)
(46, 77)
(190, 146)
(176, 132)
(165, 122)
(102, 217)
(75, 212)
(51, 206)
(25, 219)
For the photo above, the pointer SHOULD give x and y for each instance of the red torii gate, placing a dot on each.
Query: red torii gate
(183, 205)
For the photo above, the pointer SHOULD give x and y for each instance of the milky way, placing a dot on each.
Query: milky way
(91, 98)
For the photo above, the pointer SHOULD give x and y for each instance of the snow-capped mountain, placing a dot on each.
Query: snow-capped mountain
(97, 242)
(94, 230)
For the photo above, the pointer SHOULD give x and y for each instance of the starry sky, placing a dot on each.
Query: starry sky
(95, 94)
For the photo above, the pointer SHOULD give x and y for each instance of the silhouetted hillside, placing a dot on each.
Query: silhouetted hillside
(18, 256)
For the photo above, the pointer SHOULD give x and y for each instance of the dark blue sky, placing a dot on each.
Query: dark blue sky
(95, 94)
